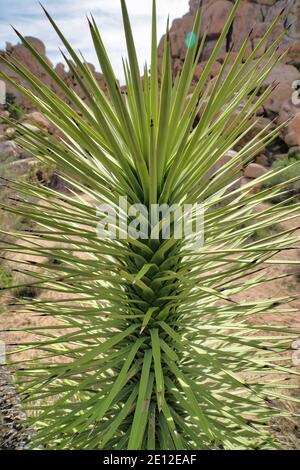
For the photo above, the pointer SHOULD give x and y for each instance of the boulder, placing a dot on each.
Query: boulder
(213, 72)
(214, 17)
(208, 49)
(283, 74)
(295, 149)
(254, 170)
(9, 132)
(262, 123)
(296, 358)
(262, 160)
(60, 70)
(195, 3)
(277, 98)
(227, 157)
(160, 48)
(294, 51)
(177, 43)
(185, 24)
(296, 344)
(265, 2)
(247, 15)
(9, 149)
(39, 119)
(288, 111)
(292, 137)
(4, 114)
(22, 166)
(37, 44)
(269, 3)
(176, 66)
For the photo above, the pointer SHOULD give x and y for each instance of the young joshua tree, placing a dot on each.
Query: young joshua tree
(157, 352)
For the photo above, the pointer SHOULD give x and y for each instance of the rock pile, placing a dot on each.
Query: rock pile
(21, 53)
(14, 432)
(253, 19)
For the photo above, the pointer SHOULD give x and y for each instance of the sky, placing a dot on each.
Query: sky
(28, 17)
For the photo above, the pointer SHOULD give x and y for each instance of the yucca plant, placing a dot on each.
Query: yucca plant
(157, 353)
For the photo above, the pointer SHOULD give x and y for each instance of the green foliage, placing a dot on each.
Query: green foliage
(9, 222)
(8, 281)
(291, 172)
(157, 352)
(265, 232)
(15, 110)
(5, 277)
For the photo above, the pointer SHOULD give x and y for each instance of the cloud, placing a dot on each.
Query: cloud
(70, 15)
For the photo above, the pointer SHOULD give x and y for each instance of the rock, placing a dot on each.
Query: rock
(262, 123)
(184, 24)
(227, 157)
(290, 139)
(292, 135)
(259, 123)
(294, 150)
(213, 73)
(281, 94)
(242, 24)
(230, 154)
(9, 133)
(296, 358)
(255, 14)
(23, 55)
(214, 18)
(60, 70)
(177, 44)
(208, 49)
(254, 170)
(15, 433)
(283, 74)
(9, 149)
(265, 2)
(296, 344)
(22, 166)
(160, 48)
(262, 160)
(39, 119)
(176, 66)
(4, 114)
(37, 44)
(160, 65)
(287, 111)
(294, 52)
(245, 181)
